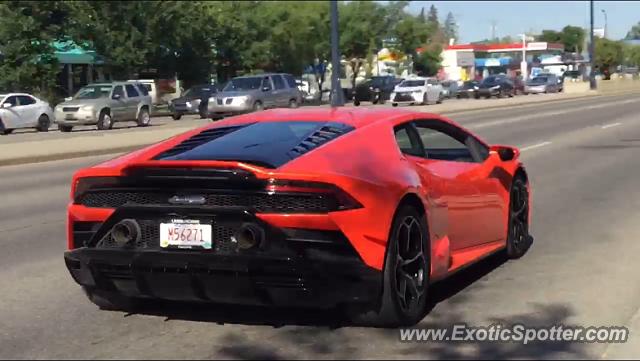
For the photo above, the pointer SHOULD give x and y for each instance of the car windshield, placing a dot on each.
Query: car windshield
(539, 80)
(490, 80)
(94, 92)
(240, 84)
(411, 83)
(378, 81)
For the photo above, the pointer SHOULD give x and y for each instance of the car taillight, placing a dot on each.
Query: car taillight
(82, 185)
(343, 201)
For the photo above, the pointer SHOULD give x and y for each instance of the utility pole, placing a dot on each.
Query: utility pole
(592, 59)
(605, 23)
(493, 30)
(337, 99)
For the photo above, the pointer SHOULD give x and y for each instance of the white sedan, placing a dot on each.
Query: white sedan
(417, 90)
(19, 110)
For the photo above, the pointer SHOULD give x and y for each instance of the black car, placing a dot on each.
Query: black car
(189, 102)
(376, 90)
(495, 85)
(468, 89)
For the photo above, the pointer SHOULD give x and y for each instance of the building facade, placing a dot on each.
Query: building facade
(475, 61)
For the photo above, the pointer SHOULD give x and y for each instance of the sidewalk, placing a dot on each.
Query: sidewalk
(108, 143)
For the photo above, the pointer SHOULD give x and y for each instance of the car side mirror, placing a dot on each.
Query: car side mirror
(7, 105)
(505, 152)
(116, 96)
(266, 89)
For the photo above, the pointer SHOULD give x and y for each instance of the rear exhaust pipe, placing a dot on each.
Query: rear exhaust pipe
(126, 232)
(249, 235)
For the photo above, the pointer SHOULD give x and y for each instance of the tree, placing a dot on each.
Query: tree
(433, 16)
(450, 27)
(411, 34)
(573, 38)
(632, 55)
(359, 23)
(608, 54)
(29, 29)
(422, 18)
(427, 63)
(634, 33)
(550, 36)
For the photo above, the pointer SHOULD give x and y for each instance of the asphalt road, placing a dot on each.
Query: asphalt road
(583, 158)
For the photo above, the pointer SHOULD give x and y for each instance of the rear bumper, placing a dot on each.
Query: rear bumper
(201, 277)
(290, 266)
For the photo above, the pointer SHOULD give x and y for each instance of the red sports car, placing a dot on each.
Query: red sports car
(313, 207)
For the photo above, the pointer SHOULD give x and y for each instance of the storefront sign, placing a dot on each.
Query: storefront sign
(465, 58)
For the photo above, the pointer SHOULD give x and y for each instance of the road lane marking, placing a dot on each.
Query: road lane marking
(611, 125)
(534, 146)
(541, 116)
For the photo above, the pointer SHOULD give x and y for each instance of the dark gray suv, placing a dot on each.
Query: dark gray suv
(255, 92)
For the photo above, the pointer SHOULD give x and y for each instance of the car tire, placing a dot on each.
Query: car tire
(457, 96)
(356, 102)
(394, 104)
(43, 123)
(144, 118)
(440, 99)
(3, 130)
(518, 238)
(65, 128)
(110, 301)
(293, 104)
(406, 262)
(258, 106)
(105, 122)
(176, 116)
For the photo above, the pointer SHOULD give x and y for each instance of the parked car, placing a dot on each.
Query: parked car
(189, 102)
(449, 88)
(547, 83)
(468, 89)
(310, 92)
(417, 90)
(152, 90)
(572, 75)
(104, 104)
(254, 93)
(377, 89)
(495, 85)
(20, 110)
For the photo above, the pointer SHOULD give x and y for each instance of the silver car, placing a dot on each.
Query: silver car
(19, 110)
(105, 104)
(546, 83)
(256, 92)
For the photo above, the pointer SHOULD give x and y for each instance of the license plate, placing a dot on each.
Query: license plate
(69, 117)
(185, 233)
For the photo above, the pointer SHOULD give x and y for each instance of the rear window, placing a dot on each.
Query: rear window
(412, 83)
(268, 144)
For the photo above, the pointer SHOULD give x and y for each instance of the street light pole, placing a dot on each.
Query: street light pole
(523, 64)
(592, 60)
(336, 90)
(605, 22)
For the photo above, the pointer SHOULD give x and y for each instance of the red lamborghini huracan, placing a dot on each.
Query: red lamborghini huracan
(315, 207)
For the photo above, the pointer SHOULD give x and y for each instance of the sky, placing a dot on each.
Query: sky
(514, 17)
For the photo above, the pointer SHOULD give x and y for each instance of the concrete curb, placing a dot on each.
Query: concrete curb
(69, 155)
(122, 149)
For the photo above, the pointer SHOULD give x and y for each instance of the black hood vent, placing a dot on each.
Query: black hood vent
(320, 137)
